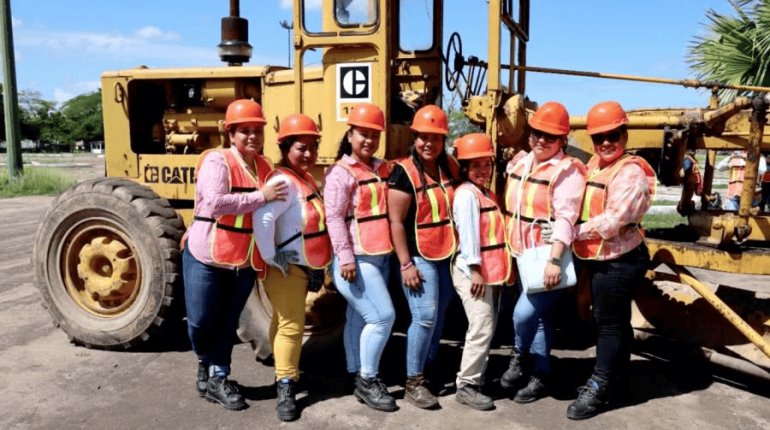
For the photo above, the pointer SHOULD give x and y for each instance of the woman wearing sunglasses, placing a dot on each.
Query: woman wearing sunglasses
(610, 244)
(542, 197)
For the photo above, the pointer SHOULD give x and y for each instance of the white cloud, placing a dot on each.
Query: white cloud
(16, 22)
(152, 32)
(60, 96)
(310, 4)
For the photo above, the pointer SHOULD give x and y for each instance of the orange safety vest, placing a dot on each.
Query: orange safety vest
(370, 216)
(433, 225)
(695, 172)
(535, 202)
(495, 260)
(316, 245)
(737, 173)
(232, 239)
(594, 200)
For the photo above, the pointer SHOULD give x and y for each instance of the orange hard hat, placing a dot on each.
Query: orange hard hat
(242, 111)
(430, 119)
(552, 118)
(297, 124)
(367, 115)
(605, 116)
(474, 145)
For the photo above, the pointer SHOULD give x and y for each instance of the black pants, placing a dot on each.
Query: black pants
(613, 283)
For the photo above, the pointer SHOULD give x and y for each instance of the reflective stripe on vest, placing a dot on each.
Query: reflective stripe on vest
(535, 204)
(316, 245)
(433, 225)
(495, 260)
(370, 216)
(232, 239)
(594, 200)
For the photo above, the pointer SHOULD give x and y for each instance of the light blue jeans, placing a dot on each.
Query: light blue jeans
(533, 330)
(370, 313)
(428, 307)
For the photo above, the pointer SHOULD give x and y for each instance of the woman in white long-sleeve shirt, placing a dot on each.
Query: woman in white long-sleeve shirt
(293, 240)
(481, 265)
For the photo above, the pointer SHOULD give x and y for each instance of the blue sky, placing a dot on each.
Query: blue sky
(62, 46)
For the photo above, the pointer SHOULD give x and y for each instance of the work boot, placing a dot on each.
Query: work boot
(202, 379)
(375, 394)
(534, 390)
(416, 393)
(220, 390)
(471, 395)
(286, 407)
(590, 401)
(515, 373)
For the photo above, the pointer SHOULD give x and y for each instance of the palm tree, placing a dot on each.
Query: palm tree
(736, 49)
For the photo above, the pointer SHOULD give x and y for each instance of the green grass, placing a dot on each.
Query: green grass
(33, 182)
(664, 202)
(662, 220)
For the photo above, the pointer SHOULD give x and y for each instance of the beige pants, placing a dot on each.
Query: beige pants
(482, 319)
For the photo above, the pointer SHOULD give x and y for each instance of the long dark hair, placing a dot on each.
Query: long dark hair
(284, 146)
(442, 161)
(345, 147)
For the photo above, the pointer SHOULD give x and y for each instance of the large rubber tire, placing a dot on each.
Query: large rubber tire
(107, 262)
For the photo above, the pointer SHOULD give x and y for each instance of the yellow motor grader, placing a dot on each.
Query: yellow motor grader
(107, 253)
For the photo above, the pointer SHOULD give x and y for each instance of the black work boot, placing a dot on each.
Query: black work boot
(515, 373)
(471, 395)
(416, 393)
(375, 394)
(220, 390)
(202, 379)
(590, 401)
(534, 390)
(286, 407)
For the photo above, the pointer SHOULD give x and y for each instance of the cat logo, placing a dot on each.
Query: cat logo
(169, 175)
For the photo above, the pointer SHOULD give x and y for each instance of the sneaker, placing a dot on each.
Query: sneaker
(534, 390)
(375, 394)
(590, 401)
(416, 393)
(202, 379)
(220, 390)
(471, 395)
(515, 373)
(286, 408)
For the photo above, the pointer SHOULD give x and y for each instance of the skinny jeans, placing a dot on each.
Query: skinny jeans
(533, 327)
(370, 314)
(287, 296)
(214, 298)
(428, 306)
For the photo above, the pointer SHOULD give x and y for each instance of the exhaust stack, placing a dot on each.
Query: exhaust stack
(234, 48)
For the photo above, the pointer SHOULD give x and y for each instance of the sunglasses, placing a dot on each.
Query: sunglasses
(547, 137)
(610, 137)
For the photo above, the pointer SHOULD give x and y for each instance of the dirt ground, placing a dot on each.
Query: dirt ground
(50, 383)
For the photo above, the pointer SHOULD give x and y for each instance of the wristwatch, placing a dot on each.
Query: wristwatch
(554, 260)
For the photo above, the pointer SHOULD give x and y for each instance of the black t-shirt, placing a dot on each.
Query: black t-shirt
(399, 180)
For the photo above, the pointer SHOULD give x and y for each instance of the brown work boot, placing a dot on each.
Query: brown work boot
(416, 393)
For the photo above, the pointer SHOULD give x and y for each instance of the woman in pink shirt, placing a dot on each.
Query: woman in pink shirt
(542, 197)
(610, 244)
(355, 199)
(219, 258)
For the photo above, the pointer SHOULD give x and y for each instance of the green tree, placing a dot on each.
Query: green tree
(459, 125)
(736, 49)
(83, 117)
(37, 115)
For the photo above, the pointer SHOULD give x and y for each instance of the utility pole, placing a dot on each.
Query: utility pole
(288, 26)
(11, 102)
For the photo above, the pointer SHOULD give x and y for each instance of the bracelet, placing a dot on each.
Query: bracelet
(554, 260)
(407, 265)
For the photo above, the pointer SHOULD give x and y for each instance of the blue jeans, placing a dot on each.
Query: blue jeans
(370, 313)
(428, 307)
(214, 298)
(734, 203)
(533, 329)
